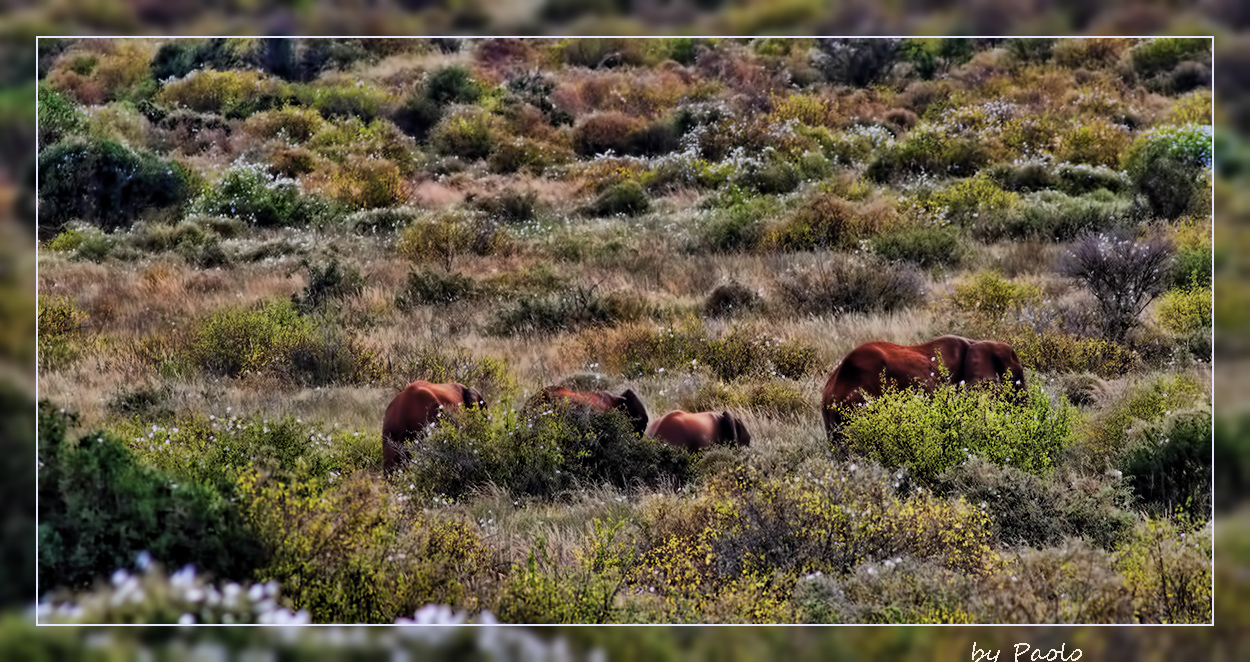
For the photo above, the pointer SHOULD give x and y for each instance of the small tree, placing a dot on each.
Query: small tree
(1124, 275)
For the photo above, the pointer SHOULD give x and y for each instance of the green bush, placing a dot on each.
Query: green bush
(467, 132)
(827, 221)
(729, 299)
(1168, 573)
(99, 507)
(373, 221)
(628, 198)
(1041, 512)
(1108, 435)
(60, 330)
(928, 434)
(850, 285)
(362, 101)
(1186, 311)
(451, 235)
(250, 193)
(925, 246)
(104, 182)
(489, 375)
(510, 206)
(59, 116)
(348, 554)
(326, 283)
(569, 311)
(738, 227)
(435, 288)
(235, 342)
(1169, 466)
(1168, 165)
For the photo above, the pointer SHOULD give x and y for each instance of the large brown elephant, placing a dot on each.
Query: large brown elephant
(627, 402)
(701, 430)
(868, 368)
(415, 410)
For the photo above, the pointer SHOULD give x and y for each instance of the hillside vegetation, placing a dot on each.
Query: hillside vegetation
(249, 246)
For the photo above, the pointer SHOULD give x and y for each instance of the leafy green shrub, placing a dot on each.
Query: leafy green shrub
(928, 434)
(364, 183)
(1107, 434)
(232, 94)
(569, 311)
(99, 507)
(372, 221)
(827, 221)
(730, 298)
(628, 198)
(1168, 165)
(235, 342)
(1186, 311)
(988, 295)
(926, 246)
(248, 192)
(521, 154)
(898, 590)
(434, 288)
(146, 402)
(543, 590)
(467, 132)
(103, 182)
(1168, 573)
(510, 206)
(736, 228)
(933, 150)
(1159, 56)
(773, 177)
(1077, 179)
(489, 375)
(292, 124)
(60, 330)
(352, 139)
(337, 101)
(850, 285)
(1041, 512)
(59, 116)
(1057, 217)
(975, 201)
(451, 235)
(325, 283)
(346, 555)
(1169, 466)
(452, 84)
(1070, 583)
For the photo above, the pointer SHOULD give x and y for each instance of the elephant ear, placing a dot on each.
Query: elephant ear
(636, 410)
(728, 431)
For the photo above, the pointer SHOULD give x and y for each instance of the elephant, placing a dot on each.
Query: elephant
(416, 409)
(699, 431)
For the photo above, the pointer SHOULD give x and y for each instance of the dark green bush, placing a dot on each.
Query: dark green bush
(1169, 466)
(99, 507)
(729, 299)
(628, 198)
(59, 116)
(1055, 216)
(1041, 512)
(436, 288)
(738, 228)
(850, 285)
(250, 193)
(510, 206)
(926, 246)
(1168, 168)
(148, 403)
(467, 132)
(569, 311)
(325, 283)
(104, 182)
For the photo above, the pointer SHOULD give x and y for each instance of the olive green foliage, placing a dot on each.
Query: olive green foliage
(276, 339)
(1186, 311)
(325, 284)
(347, 554)
(626, 198)
(60, 330)
(105, 183)
(1169, 167)
(929, 433)
(729, 299)
(250, 193)
(444, 238)
(925, 246)
(568, 311)
(1027, 509)
(851, 285)
(1167, 571)
(541, 454)
(436, 288)
(636, 350)
(1109, 433)
(1170, 465)
(99, 506)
